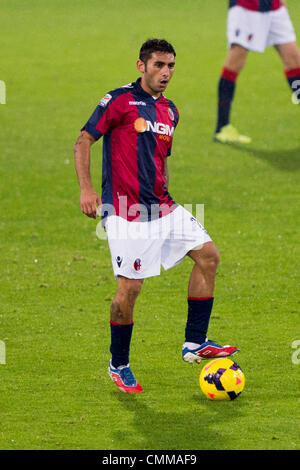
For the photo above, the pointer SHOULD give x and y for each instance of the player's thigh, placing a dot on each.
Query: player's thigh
(289, 54)
(236, 57)
(282, 32)
(185, 234)
(135, 250)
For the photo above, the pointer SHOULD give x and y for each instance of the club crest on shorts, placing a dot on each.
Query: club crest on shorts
(137, 264)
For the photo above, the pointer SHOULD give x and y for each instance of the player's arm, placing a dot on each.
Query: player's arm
(283, 2)
(89, 199)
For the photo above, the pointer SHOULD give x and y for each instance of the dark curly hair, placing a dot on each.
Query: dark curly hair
(155, 45)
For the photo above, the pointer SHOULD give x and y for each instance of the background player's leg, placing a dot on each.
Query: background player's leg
(236, 58)
(121, 319)
(234, 63)
(290, 56)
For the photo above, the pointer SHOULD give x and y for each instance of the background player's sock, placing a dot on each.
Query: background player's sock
(120, 343)
(226, 90)
(293, 77)
(199, 310)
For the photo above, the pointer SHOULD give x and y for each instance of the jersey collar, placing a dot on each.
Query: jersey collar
(142, 92)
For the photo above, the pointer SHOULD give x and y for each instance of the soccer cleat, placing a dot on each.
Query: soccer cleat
(124, 379)
(230, 135)
(207, 350)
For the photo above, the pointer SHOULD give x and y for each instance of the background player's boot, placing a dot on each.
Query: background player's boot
(124, 379)
(207, 350)
(229, 134)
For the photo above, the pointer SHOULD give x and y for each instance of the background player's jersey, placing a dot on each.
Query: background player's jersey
(138, 132)
(257, 5)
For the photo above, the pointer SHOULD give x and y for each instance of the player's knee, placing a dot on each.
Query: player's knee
(132, 287)
(292, 61)
(208, 258)
(290, 55)
(135, 288)
(214, 258)
(240, 64)
(236, 58)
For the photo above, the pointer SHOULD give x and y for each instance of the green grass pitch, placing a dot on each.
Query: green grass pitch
(57, 60)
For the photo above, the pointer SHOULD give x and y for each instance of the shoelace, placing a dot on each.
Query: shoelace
(127, 376)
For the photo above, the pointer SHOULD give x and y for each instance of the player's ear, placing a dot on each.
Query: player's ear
(140, 66)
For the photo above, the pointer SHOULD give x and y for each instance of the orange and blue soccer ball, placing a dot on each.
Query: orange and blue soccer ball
(222, 379)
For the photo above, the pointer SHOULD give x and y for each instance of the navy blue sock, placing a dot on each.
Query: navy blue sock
(120, 343)
(199, 310)
(293, 77)
(226, 90)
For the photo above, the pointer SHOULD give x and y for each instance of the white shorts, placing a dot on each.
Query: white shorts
(255, 30)
(139, 249)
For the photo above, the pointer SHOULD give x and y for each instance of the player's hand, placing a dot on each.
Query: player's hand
(89, 201)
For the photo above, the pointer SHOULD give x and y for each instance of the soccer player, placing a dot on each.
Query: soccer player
(253, 25)
(145, 227)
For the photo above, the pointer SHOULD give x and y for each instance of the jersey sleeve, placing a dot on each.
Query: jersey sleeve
(107, 115)
(175, 123)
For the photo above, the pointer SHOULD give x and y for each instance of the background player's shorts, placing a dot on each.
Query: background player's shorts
(139, 249)
(255, 30)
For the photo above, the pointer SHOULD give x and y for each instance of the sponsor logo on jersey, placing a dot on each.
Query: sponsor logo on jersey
(141, 125)
(105, 100)
(166, 138)
(137, 103)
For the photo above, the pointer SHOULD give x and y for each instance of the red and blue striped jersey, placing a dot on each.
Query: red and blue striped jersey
(257, 5)
(137, 135)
